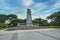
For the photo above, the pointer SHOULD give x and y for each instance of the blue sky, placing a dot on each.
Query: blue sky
(39, 8)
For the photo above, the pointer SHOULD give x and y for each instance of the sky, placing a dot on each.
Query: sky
(39, 8)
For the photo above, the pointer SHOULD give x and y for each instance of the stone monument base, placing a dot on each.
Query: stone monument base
(29, 25)
(24, 27)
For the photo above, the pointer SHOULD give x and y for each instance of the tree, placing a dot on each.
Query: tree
(14, 22)
(12, 16)
(3, 17)
(40, 21)
(55, 18)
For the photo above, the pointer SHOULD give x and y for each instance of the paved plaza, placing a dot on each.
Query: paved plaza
(36, 34)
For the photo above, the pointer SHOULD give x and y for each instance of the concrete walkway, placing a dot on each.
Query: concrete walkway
(34, 34)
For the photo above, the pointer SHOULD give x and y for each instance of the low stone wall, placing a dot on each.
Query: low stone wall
(23, 27)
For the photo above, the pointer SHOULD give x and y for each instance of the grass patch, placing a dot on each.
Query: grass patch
(2, 26)
(53, 26)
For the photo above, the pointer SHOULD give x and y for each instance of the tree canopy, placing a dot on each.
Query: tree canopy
(55, 18)
(4, 17)
(40, 21)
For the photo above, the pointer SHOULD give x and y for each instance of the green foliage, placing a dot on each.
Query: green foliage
(56, 19)
(14, 22)
(52, 26)
(2, 25)
(40, 21)
(3, 17)
(19, 21)
(54, 15)
(12, 16)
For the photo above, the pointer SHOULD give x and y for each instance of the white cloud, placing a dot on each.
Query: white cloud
(33, 17)
(57, 5)
(51, 10)
(3, 5)
(43, 16)
(38, 7)
(54, 7)
(19, 16)
(36, 10)
(1, 1)
(46, 13)
(27, 3)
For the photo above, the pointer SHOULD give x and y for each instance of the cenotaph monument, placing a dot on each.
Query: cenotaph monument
(29, 19)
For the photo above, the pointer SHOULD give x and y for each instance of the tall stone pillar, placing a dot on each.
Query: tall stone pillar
(29, 19)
